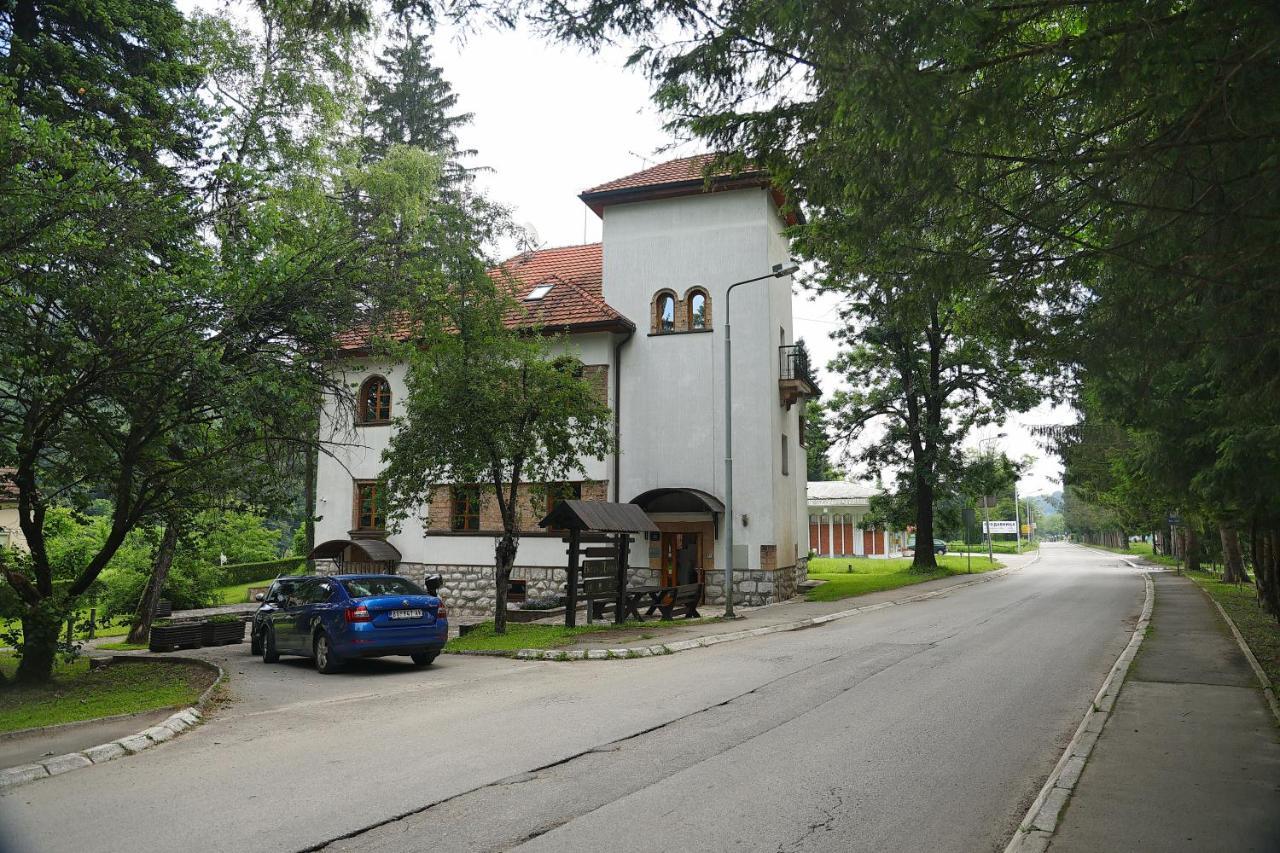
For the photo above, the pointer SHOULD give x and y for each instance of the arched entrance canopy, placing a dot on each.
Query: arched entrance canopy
(357, 552)
(678, 500)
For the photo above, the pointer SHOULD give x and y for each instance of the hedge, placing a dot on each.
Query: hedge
(246, 572)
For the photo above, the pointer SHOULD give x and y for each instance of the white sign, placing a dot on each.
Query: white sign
(999, 527)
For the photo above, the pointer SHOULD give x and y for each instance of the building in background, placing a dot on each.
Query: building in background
(837, 526)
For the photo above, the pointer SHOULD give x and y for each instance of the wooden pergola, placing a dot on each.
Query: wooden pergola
(606, 528)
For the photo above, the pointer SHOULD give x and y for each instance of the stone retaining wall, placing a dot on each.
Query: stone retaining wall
(469, 589)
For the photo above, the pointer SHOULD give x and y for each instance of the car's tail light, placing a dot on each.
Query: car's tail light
(358, 614)
(440, 611)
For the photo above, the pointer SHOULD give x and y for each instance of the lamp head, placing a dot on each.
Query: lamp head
(779, 272)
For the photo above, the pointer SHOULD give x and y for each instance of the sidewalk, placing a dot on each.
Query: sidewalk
(775, 615)
(1189, 759)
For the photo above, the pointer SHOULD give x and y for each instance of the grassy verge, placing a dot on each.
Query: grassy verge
(875, 575)
(521, 635)
(1144, 550)
(77, 693)
(1259, 630)
(996, 547)
(239, 593)
(119, 628)
(123, 647)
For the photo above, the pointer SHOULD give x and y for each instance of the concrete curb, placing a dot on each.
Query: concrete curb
(172, 726)
(716, 639)
(1041, 820)
(1268, 689)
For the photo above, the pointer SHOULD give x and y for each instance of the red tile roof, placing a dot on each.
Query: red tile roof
(574, 302)
(672, 172)
(685, 176)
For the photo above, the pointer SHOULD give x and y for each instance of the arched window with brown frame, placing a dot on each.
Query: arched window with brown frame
(699, 307)
(664, 312)
(374, 404)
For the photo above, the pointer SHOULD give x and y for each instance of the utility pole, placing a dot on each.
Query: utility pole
(1017, 519)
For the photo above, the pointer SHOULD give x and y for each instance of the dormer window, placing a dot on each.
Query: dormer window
(538, 292)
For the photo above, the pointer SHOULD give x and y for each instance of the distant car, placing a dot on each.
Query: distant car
(939, 546)
(270, 601)
(335, 618)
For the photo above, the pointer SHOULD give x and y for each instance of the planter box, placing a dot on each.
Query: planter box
(533, 615)
(223, 633)
(166, 638)
(164, 609)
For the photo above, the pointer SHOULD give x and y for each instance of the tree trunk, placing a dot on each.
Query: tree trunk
(141, 630)
(504, 559)
(924, 559)
(41, 625)
(1232, 561)
(1266, 569)
(1193, 548)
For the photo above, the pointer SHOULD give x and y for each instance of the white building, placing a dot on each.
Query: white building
(643, 310)
(837, 524)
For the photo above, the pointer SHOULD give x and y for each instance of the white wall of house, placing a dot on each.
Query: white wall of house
(356, 454)
(10, 530)
(673, 384)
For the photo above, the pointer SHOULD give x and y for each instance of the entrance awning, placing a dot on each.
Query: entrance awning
(356, 551)
(678, 500)
(598, 517)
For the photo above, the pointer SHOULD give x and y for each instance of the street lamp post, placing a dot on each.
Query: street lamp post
(778, 272)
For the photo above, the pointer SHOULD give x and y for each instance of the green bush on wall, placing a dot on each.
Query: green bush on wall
(246, 572)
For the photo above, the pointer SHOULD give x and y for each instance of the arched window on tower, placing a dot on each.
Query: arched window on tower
(699, 309)
(374, 404)
(664, 313)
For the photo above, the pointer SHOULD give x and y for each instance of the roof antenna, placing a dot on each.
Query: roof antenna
(647, 162)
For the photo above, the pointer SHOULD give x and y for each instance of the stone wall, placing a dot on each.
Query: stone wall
(469, 589)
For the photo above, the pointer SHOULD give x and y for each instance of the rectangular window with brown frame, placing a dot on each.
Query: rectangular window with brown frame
(369, 512)
(557, 492)
(465, 510)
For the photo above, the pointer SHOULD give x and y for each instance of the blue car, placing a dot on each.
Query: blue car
(333, 619)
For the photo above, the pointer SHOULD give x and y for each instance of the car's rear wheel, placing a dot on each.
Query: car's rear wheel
(424, 658)
(322, 650)
(269, 653)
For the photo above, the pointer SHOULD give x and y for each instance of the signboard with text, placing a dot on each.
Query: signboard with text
(1000, 526)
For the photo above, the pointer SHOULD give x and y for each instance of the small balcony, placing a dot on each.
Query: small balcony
(795, 377)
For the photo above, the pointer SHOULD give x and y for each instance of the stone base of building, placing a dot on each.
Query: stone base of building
(469, 589)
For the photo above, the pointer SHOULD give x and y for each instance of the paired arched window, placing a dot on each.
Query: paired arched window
(374, 404)
(672, 314)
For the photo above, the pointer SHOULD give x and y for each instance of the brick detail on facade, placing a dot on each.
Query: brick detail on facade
(768, 558)
(530, 506)
(598, 376)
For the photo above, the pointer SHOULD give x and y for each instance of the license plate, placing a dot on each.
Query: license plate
(406, 614)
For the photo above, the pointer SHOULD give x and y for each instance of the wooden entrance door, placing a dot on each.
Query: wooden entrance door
(681, 560)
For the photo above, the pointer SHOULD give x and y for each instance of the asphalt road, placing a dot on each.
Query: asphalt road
(929, 726)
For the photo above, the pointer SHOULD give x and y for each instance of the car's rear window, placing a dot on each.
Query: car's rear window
(361, 587)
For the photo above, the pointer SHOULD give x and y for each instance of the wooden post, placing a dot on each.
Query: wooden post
(93, 619)
(571, 593)
(620, 606)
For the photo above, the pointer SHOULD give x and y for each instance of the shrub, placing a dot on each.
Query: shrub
(247, 572)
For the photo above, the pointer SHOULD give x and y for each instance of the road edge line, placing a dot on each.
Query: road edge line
(1037, 826)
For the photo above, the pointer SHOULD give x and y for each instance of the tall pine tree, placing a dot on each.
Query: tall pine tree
(411, 103)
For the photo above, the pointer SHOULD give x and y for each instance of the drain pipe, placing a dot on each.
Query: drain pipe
(617, 415)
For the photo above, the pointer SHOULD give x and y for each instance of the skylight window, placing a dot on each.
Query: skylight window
(538, 292)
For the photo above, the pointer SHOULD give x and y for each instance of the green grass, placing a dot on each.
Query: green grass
(1144, 550)
(522, 635)
(996, 547)
(117, 629)
(239, 593)
(1260, 631)
(76, 693)
(876, 575)
(123, 647)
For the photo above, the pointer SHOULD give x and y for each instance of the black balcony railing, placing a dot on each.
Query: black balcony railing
(794, 364)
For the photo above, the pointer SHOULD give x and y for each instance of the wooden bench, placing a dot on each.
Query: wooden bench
(602, 593)
(670, 598)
